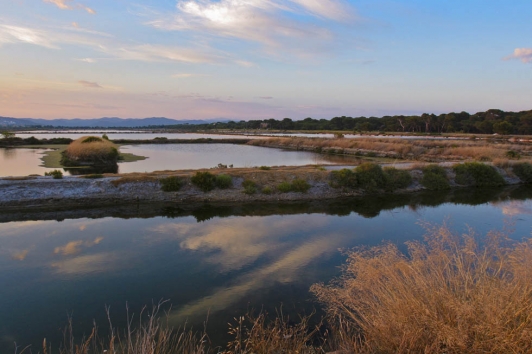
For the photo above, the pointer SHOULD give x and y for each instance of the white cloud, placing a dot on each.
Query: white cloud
(523, 54)
(14, 34)
(295, 25)
(149, 52)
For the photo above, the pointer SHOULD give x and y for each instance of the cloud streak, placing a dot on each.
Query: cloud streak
(65, 5)
(297, 25)
(89, 84)
(523, 54)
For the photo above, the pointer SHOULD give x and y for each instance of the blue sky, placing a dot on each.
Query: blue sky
(258, 59)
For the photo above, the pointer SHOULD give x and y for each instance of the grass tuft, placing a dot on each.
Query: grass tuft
(56, 174)
(250, 187)
(449, 294)
(523, 170)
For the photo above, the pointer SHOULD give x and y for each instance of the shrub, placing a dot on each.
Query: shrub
(396, 179)
(250, 187)
(344, 178)
(265, 168)
(105, 137)
(370, 176)
(511, 154)
(523, 170)
(56, 174)
(300, 185)
(205, 181)
(477, 174)
(90, 150)
(284, 187)
(450, 294)
(435, 178)
(224, 181)
(171, 184)
(267, 190)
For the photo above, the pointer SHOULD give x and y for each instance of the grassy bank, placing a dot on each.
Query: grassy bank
(448, 294)
(408, 149)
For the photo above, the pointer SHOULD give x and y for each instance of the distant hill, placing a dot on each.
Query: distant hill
(8, 122)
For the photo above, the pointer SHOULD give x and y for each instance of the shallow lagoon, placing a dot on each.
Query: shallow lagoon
(222, 260)
(23, 162)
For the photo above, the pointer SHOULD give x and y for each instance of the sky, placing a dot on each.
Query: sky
(261, 59)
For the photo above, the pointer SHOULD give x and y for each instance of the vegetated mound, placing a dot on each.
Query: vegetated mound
(90, 150)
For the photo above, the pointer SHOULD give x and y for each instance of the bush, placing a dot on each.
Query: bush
(370, 176)
(171, 184)
(224, 181)
(105, 137)
(344, 178)
(450, 294)
(300, 185)
(90, 151)
(56, 174)
(511, 154)
(396, 179)
(265, 168)
(523, 170)
(477, 174)
(267, 190)
(205, 181)
(435, 178)
(250, 187)
(284, 187)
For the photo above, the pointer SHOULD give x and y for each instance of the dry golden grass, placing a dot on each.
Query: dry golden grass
(406, 148)
(147, 334)
(452, 294)
(258, 335)
(98, 150)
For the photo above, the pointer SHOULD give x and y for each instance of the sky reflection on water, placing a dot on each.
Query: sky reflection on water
(219, 261)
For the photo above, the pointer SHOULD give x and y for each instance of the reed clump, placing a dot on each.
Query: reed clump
(449, 294)
(90, 150)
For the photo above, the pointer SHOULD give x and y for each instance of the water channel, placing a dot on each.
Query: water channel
(218, 261)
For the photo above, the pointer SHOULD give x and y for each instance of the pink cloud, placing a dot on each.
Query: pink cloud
(523, 54)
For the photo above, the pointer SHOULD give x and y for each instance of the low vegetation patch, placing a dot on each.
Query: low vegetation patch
(298, 185)
(523, 170)
(477, 174)
(370, 176)
(435, 178)
(224, 181)
(171, 184)
(250, 187)
(90, 151)
(267, 190)
(265, 168)
(205, 181)
(344, 178)
(56, 174)
(449, 294)
(396, 179)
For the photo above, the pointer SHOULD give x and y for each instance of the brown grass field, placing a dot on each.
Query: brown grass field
(410, 149)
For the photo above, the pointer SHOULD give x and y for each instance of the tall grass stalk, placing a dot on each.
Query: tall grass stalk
(451, 294)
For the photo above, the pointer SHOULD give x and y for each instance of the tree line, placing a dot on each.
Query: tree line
(488, 122)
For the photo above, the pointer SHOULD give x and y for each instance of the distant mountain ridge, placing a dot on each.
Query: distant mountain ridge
(106, 122)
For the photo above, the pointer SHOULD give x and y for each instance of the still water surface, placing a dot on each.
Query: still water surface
(23, 162)
(216, 260)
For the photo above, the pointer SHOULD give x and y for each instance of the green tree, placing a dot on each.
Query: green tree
(503, 128)
(7, 135)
